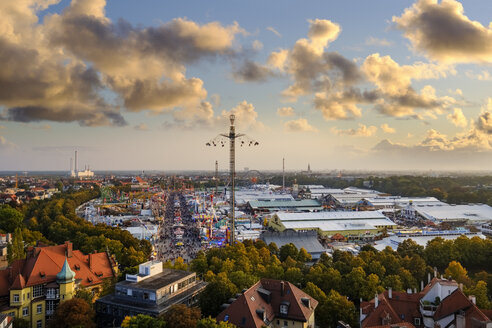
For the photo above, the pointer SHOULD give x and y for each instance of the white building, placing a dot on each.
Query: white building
(474, 213)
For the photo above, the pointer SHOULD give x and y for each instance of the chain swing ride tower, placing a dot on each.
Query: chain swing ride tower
(221, 140)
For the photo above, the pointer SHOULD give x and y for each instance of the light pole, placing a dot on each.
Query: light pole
(220, 140)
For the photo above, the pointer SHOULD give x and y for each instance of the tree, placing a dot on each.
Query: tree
(354, 282)
(142, 321)
(393, 281)
(10, 219)
(303, 256)
(335, 308)
(217, 292)
(457, 272)
(21, 323)
(15, 249)
(315, 292)
(294, 275)
(73, 313)
(84, 294)
(181, 316)
(288, 250)
(480, 293)
(209, 322)
(409, 248)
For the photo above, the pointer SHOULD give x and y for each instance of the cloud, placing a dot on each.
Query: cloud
(257, 45)
(246, 117)
(299, 125)
(372, 41)
(361, 131)
(250, 71)
(482, 76)
(5, 144)
(203, 116)
(398, 97)
(285, 111)
(274, 31)
(443, 32)
(141, 127)
(58, 69)
(387, 129)
(457, 118)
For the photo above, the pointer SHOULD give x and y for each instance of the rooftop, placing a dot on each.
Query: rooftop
(166, 277)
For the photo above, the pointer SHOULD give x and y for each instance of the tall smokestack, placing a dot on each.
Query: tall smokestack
(283, 174)
(71, 164)
(75, 162)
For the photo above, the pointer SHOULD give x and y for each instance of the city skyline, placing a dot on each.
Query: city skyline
(144, 85)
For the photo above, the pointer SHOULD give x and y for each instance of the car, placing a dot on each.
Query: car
(179, 243)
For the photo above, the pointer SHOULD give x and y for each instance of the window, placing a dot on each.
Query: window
(25, 311)
(146, 296)
(286, 323)
(28, 295)
(416, 321)
(11, 314)
(39, 324)
(16, 298)
(39, 308)
(283, 309)
(37, 291)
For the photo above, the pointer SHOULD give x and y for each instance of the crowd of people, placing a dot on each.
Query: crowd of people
(179, 234)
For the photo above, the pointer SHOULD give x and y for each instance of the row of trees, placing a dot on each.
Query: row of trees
(54, 221)
(332, 280)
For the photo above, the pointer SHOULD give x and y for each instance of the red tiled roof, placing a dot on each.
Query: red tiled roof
(242, 312)
(18, 283)
(456, 302)
(43, 263)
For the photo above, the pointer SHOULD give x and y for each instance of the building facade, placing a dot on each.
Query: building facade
(151, 292)
(33, 287)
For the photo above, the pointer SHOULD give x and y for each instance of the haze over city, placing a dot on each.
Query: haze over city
(340, 85)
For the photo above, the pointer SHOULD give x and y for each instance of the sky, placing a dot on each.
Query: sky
(144, 85)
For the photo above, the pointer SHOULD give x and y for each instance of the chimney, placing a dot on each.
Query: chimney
(461, 286)
(409, 290)
(68, 246)
(376, 301)
(421, 285)
(428, 277)
(75, 162)
(390, 293)
(282, 288)
(415, 290)
(473, 299)
(435, 272)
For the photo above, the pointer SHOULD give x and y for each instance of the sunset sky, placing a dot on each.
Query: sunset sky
(338, 84)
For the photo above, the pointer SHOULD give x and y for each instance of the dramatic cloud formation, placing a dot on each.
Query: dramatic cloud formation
(457, 118)
(443, 32)
(361, 131)
(387, 129)
(56, 70)
(299, 125)
(285, 111)
(398, 98)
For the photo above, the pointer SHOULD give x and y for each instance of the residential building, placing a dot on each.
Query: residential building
(271, 303)
(33, 287)
(152, 292)
(440, 304)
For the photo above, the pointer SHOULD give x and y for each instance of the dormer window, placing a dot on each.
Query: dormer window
(284, 309)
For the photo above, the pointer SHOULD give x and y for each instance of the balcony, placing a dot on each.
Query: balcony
(52, 296)
(50, 312)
